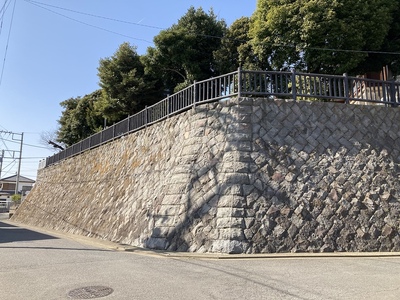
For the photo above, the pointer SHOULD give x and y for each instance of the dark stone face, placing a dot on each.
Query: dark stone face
(251, 176)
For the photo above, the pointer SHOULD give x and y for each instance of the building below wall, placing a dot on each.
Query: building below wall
(7, 184)
(7, 189)
(240, 176)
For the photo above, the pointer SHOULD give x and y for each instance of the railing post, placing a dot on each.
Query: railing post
(346, 88)
(145, 117)
(194, 93)
(239, 82)
(294, 90)
(393, 92)
(168, 107)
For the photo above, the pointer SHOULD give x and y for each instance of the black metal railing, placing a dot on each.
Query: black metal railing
(244, 83)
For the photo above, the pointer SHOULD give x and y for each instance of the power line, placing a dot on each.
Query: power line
(9, 166)
(111, 19)
(29, 145)
(87, 24)
(35, 146)
(337, 50)
(5, 145)
(96, 16)
(3, 7)
(8, 40)
(27, 158)
(2, 12)
(39, 4)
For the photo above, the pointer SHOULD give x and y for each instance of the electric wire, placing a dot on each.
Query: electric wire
(91, 25)
(8, 41)
(198, 34)
(9, 166)
(96, 16)
(12, 164)
(2, 12)
(117, 20)
(337, 50)
(3, 7)
(24, 144)
(5, 145)
(8, 169)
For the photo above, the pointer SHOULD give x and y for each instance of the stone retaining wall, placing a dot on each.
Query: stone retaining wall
(239, 176)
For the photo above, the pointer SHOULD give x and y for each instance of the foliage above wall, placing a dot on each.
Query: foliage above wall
(327, 36)
(310, 35)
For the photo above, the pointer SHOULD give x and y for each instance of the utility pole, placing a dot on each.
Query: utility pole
(19, 164)
(12, 154)
(1, 161)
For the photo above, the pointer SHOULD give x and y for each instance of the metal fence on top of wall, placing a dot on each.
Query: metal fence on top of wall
(243, 83)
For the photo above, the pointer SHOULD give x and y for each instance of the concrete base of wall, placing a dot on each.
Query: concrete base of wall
(239, 176)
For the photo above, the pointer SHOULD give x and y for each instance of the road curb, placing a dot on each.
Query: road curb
(104, 244)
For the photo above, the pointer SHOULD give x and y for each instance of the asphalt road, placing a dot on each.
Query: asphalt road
(37, 264)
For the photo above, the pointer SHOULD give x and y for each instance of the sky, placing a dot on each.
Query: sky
(50, 51)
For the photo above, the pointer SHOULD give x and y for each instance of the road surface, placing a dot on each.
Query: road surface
(37, 264)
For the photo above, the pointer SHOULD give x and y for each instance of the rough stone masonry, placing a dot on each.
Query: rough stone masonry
(244, 175)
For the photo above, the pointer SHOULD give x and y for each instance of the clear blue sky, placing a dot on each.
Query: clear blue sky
(53, 54)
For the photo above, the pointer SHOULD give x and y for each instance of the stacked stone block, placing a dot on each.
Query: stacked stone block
(240, 176)
(322, 174)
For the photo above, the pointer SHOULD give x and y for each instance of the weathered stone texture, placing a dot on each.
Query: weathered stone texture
(239, 176)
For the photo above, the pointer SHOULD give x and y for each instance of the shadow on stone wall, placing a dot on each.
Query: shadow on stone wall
(239, 176)
(303, 178)
(326, 178)
(197, 210)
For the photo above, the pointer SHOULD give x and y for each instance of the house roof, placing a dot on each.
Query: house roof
(6, 193)
(13, 178)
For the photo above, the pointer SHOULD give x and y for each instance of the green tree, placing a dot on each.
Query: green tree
(79, 118)
(16, 198)
(307, 34)
(67, 131)
(236, 49)
(126, 89)
(391, 43)
(184, 52)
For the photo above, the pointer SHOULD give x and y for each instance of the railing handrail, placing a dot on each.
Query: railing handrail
(290, 84)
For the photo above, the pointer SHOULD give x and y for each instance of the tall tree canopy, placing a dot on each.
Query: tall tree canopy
(126, 89)
(236, 49)
(315, 35)
(184, 52)
(79, 119)
(391, 43)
